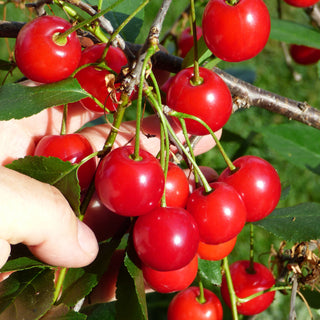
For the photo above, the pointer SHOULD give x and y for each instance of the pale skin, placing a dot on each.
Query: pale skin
(35, 213)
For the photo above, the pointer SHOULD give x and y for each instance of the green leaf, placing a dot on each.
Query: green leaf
(62, 312)
(26, 294)
(297, 224)
(210, 272)
(150, 12)
(52, 170)
(22, 263)
(297, 143)
(77, 284)
(294, 33)
(131, 298)
(105, 311)
(18, 101)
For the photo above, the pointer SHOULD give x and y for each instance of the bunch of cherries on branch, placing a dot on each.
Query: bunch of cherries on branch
(173, 223)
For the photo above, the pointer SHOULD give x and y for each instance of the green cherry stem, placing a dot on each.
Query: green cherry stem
(59, 283)
(62, 36)
(219, 145)
(251, 266)
(201, 298)
(64, 120)
(196, 79)
(233, 297)
(165, 121)
(150, 52)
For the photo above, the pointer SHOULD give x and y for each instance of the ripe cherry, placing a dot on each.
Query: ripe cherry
(236, 32)
(171, 281)
(166, 238)
(215, 252)
(247, 283)
(40, 57)
(220, 214)
(258, 184)
(185, 306)
(304, 55)
(210, 101)
(176, 187)
(185, 41)
(301, 3)
(69, 147)
(93, 79)
(129, 187)
(103, 222)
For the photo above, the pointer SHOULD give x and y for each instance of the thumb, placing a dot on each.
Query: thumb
(37, 214)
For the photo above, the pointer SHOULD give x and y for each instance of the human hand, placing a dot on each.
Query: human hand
(40, 216)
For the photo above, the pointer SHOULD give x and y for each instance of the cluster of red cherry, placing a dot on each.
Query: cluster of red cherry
(205, 223)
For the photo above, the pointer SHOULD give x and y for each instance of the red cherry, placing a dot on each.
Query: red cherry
(171, 281)
(103, 222)
(185, 306)
(69, 147)
(210, 101)
(301, 3)
(246, 284)
(185, 41)
(236, 32)
(39, 57)
(176, 187)
(220, 214)
(215, 252)
(166, 238)
(304, 55)
(258, 184)
(93, 79)
(129, 187)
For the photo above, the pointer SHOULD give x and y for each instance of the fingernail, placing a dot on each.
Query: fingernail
(87, 239)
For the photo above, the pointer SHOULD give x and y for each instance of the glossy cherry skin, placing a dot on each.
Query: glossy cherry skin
(245, 284)
(236, 32)
(185, 306)
(185, 41)
(93, 79)
(216, 252)
(304, 55)
(220, 214)
(210, 101)
(176, 187)
(258, 184)
(39, 57)
(129, 187)
(166, 239)
(301, 3)
(171, 281)
(69, 147)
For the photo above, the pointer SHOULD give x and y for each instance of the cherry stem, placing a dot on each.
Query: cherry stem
(164, 138)
(166, 123)
(60, 38)
(257, 294)
(229, 163)
(60, 279)
(63, 129)
(196, 79)
(233, 297)
(250, 269)
(150, 52)
(121, 26)
(201, 298)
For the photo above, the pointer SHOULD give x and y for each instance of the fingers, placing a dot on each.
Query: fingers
(149, 137)
(39, 216)
(4, 252)
(25, 133)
